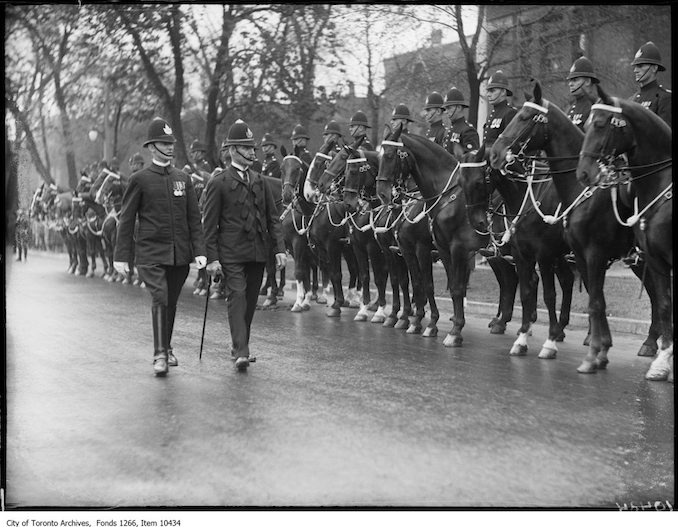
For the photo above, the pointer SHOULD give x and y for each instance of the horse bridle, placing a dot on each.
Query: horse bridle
(524, 137)
(399, 179)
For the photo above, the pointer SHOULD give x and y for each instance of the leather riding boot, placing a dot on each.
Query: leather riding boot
(159, 340)
(171, 359)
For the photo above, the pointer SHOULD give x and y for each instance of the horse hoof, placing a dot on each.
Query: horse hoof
(498, 328)
(378, 319)
(390, 322)
(354, 304)
(360, 317)
(430, 332)
(402, 324)
(314, 297)
(587, 367)
(296, 308)
(196, 291)
(647, 351)
(601, 364)
(453, 341)
(306, 306)
(518, 350)
(373, 306)
(414, 329)
(659, 374)
(263, 291)
(492, 322)
(321, 300)
(202, 292)
(333, 312)
(560, 337)
(547, 353)
(90, 274)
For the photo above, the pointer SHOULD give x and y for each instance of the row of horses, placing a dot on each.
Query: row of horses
(543, 191)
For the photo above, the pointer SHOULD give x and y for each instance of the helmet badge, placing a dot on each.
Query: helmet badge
(167, 129)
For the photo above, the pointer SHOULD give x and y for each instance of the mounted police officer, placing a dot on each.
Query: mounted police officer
(271, 165)
(136, 162)
(460, 131)
(502, 112)
(332, 132)
(646, 64)
(581, 80)
(199, 155)
(433, 114)
(170, 236)
(241, 219)
(357, 127)
(300, 140)
(401, 116)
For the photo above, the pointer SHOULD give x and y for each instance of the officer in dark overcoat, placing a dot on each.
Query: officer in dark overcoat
(646, 64)
(433, 114)
(460, 130)
(241, 220)
(502, 112)
(271, 165)
(357, 127)
(581, 80)
(169, 237)
(300, 139)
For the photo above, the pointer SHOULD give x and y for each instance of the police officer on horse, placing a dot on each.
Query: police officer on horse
(433, 113)
(460, 130)
(646, 64)
(271, 165)
(581, 80)
(300, 140)
(357, 127)
(502, 112)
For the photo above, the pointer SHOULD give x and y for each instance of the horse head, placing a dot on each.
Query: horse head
(360, 179)
(319, 163)
(337, 166)
(477, 185)
(293, 171)
(391, 155)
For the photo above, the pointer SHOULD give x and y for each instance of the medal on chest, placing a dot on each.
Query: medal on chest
(179, 188)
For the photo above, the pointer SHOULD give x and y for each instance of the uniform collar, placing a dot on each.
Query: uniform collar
(161, 164)
(649, 86)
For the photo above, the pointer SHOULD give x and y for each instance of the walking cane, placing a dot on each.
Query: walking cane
(207, 303)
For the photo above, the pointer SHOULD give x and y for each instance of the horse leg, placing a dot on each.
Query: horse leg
(528, 300)
(380, 270)
(301, 273)
(404, 281)
(334, 252)
(507, 278)
(566, 279)
(601, 338)
(362, 259)
(661, 368)
(407, 249)
(649, 347)
(426, 266)
(354, 277)
(549, 349)
(280, 289)
(457, 275)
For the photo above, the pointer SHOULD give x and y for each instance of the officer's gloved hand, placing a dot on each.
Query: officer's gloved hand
(214, 269)
(280, 261)
(121, 267)
(200, 261)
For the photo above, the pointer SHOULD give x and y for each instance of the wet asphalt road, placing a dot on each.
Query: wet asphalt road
(333, 413)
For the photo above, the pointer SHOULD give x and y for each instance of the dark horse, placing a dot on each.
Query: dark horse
(95, 214)
(359, 195)
(532, 241)
(590, 227)
(435, 172)
(276, 287)
(625, 127)
(295, 219)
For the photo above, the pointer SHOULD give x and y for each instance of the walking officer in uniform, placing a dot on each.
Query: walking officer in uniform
(300, 140)
(502, 112)
(357, 127)
(169, 238)
(646, 64)
(582, 84)
(271, 165)
(241, 220)
(433, 113)
(460, 131)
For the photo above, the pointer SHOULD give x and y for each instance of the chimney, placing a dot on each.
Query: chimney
(436, 37)
(351, 88)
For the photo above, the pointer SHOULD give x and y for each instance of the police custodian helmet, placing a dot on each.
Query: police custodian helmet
(402, 112)
(299, 132)
(332, 128)
(136, 158)
(239, 134)
(268, 140)
(648, 53)
(434, 100)
(499, 80)
(359, 118)
(582, 67)
(159, 130)
(197, 146)
(454, 97)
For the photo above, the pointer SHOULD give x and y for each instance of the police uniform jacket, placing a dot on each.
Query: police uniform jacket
(460, 131)
(165, 204)
(271, 167)
(656, 98)
(437, 132)
(241, 218)
(200, 180)
(305, 156)
(579, 111)
(366, 144)
(203, 165)
(497, 121)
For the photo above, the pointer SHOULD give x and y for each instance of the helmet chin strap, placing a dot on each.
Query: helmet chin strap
(649, 67)
(161, 151)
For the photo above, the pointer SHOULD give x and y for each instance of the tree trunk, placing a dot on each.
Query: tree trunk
(23, 125)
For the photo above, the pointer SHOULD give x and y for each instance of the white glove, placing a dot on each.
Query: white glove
(121, 267)
(280, 260)
(201, 261)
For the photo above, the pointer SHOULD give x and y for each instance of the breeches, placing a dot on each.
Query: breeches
(164, 282)
(242, 281)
